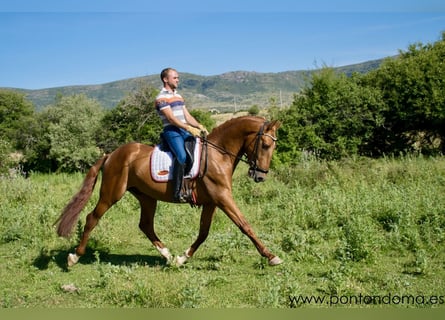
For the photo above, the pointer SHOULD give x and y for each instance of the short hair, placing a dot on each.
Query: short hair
(165, 72)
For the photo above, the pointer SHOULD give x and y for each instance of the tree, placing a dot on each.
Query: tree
(254, 110)
(134, 119)
(400, 107)
(204, 118)
(334, 117)
(5, 159)
(413, 86)
(72, 123)
(16, 115)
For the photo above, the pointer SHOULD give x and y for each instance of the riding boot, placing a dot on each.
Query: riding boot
(178, 175)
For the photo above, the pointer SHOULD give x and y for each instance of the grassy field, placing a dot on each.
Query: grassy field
(357, 233)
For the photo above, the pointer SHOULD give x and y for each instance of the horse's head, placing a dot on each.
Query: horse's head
(260, 150)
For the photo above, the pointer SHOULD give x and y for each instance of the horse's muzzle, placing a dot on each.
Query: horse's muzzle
(257, 176)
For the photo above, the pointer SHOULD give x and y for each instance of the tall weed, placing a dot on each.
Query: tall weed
(357, 226)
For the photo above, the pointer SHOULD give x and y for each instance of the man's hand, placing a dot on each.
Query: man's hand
(194, 131)
(203, 129)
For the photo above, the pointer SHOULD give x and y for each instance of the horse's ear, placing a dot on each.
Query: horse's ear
(274, 124)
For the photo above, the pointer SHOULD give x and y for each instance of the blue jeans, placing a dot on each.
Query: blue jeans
(175, 138)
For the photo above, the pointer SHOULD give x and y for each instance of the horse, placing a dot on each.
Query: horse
(249, 138)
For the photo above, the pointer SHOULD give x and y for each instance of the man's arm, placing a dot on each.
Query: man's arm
(190, 119)
(168, 113)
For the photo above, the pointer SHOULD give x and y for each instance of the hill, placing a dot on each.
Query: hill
(229, 91)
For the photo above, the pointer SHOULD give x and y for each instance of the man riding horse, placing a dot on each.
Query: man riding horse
(178, 124)
(248, 139)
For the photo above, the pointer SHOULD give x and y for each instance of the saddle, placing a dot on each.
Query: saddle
(161, 161)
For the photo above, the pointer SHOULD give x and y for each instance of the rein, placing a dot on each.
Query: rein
(251, 163)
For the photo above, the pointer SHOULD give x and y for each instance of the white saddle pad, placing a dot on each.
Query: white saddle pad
(161, 164)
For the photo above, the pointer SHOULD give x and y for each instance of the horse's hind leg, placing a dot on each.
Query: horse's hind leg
(110, 193)
(91, 221)
(146, 223)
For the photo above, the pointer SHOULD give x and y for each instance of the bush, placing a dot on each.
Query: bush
(134, 119)
(395, 109)
(5, 159)
(204, 118)
(334, 118)
(254, 110)
(73, 122)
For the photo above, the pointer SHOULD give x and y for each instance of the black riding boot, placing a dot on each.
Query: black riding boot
(178, 175)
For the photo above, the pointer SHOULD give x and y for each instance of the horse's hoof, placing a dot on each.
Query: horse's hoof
(166, 254)
(180, 260)
(72, 259)
(275, 261)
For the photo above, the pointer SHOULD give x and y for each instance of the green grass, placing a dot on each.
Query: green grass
(359, 227)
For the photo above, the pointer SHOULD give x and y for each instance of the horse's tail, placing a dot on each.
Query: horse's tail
(70, 213)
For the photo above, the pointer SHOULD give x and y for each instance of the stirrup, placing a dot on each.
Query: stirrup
(186, 196)
(181, 199)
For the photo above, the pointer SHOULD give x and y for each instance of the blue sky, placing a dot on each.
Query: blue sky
(57, 43)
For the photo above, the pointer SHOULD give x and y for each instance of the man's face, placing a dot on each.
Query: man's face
(172, 79)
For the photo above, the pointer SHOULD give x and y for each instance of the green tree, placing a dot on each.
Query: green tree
(413, 86)
(334, 117)
(37, 152)
(72, 123)
(254, 110)
(134, 119)
(16, 118)
(204, 117)
(5, 159)
(16, 115)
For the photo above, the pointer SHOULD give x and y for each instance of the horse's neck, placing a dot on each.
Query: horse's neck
(231, 139)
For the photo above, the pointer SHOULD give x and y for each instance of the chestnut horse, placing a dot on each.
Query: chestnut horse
(128, 168)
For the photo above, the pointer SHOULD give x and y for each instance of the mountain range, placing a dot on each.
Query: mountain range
(231, 91)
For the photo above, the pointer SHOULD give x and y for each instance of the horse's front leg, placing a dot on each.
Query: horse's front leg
(230, 208)
(204, 226)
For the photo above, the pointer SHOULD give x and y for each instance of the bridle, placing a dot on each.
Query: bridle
(251, 162)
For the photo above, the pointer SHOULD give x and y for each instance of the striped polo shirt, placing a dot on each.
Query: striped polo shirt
(173, 100)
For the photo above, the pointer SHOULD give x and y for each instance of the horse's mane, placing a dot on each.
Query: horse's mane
(234, 121)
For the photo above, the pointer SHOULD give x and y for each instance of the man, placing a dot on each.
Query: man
(178, 124)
